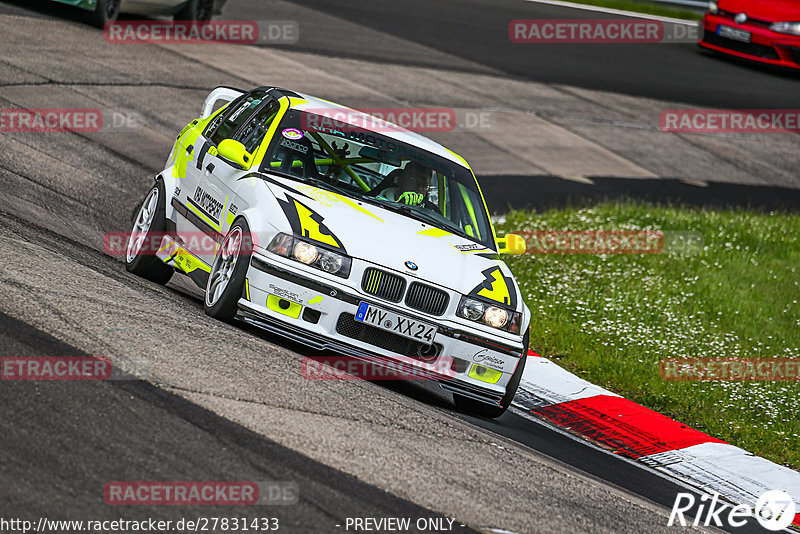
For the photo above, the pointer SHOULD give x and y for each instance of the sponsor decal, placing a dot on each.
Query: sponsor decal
(472, 247)
(307, 223)
(292, 133)
(285, 294)
(497, 287)
(488, 360)
(206, 203)
(297, 147)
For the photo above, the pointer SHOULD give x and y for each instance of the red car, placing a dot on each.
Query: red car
(767, 31)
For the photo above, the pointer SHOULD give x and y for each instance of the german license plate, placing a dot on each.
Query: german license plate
(733, 33)
(398, 324)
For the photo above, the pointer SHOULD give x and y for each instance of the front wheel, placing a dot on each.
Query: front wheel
(200, 10)
(105, 11)
(228, 272)
(482, 409)
(150, 222)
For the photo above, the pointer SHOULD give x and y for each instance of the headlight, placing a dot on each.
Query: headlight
(494, 316)
(281, 245)
(712, 7)
(296, 249)
(305, 252)
(471, 309)
(330, 262)
(786, 27)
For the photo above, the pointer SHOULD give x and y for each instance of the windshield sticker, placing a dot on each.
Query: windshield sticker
(469, 248)
(292, 134)
(294, 146)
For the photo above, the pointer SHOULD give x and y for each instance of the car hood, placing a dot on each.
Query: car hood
(769, 10)
(389, 239)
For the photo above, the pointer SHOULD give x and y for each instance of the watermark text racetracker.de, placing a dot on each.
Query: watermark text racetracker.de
(730, 120)
(600, 31)
(184, 524)
(55, 120)
(338, 367)
(731, 369)
(193, 32)
(592, 241)
(610, 241)
(54, 368)
(396, 119)
(202, 493)
(151, 243)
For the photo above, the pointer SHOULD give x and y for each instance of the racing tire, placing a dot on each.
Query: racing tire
(150, 219)
(482, 409)
(228, 272)
(104, 12)
(199, 10)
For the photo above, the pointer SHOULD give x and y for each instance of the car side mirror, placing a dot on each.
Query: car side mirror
(511, 244)
(235, 152)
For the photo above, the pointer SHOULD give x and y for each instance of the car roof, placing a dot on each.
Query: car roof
(398, 133)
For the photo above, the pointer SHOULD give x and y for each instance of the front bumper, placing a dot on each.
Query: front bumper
(321, 316)
(765, 46)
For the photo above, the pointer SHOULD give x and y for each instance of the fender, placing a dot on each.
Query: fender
(260, 212)
(170, 183)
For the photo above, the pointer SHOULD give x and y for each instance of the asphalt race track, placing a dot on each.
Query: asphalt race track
(469, 29)
(218, 401)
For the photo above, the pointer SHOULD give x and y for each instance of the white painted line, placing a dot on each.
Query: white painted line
(612, 11)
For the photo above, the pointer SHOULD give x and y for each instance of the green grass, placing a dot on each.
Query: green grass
(612, 318)
(650, 8)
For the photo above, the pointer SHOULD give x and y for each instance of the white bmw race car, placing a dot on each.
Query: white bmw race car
(343, 232)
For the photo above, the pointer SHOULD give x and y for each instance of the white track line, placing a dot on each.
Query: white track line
(611, 11)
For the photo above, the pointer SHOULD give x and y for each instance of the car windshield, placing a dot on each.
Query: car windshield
(375, 168)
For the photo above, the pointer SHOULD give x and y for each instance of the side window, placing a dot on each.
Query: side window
(256, 128)
(236, 116)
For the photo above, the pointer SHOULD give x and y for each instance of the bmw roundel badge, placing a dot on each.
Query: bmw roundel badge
(411, 265)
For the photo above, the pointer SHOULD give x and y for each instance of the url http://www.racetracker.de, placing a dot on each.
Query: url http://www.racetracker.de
(196, 524)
